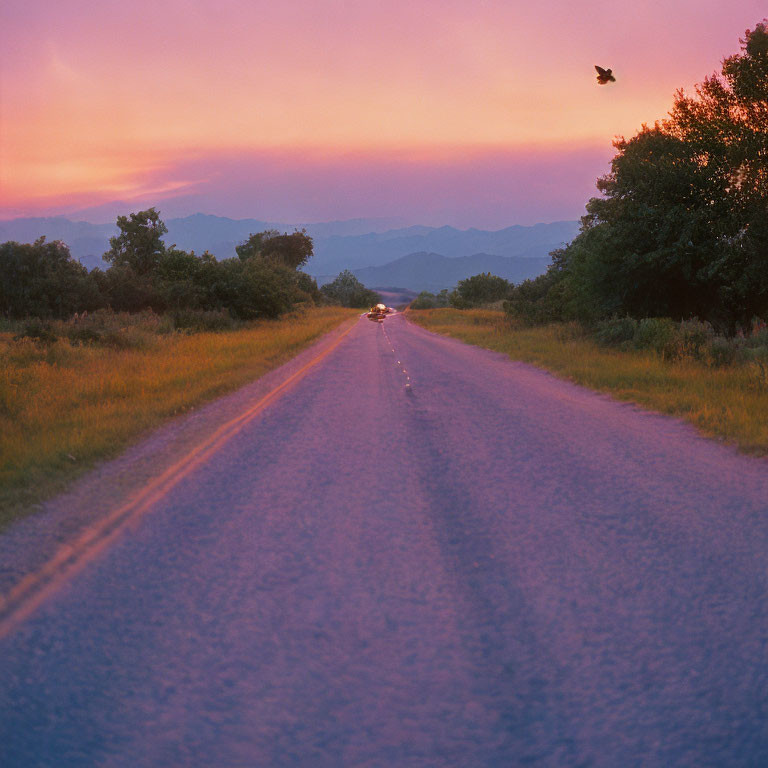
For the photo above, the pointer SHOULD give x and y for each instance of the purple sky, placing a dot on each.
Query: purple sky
(468, 112)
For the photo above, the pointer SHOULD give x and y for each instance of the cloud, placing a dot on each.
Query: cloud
(463, 186)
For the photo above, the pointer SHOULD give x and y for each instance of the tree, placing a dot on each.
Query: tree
(682, 227)
(139, 244)
(480, 289)
(43, 280)
(348, 291)
(427, 300)
(292, 250)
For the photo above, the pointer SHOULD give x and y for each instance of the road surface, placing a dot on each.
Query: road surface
(489, 567)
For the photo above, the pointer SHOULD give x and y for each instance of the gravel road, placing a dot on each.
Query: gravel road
(489, 567)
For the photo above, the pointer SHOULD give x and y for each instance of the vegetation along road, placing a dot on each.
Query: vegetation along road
(489, 567)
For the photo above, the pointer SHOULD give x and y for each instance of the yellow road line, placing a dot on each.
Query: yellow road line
(26, 596)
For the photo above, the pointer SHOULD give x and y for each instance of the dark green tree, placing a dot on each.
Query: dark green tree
(480, 289)
(139, 245)
(682, 227)
(43, 280)
(348, 291)
(292, 250)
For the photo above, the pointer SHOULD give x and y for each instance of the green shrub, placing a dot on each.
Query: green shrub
(616, 331)
(37, 330)
(721, 352)
(201, 320)
(656, 333)
(480, 289)
(693, 339)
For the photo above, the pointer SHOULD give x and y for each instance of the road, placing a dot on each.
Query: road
(490, 567)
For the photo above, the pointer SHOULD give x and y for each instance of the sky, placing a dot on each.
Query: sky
(464, 112)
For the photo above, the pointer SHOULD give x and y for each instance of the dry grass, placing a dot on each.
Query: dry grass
(62, 407)
(730, 403)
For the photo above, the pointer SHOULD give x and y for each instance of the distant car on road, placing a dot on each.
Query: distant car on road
(379, 312)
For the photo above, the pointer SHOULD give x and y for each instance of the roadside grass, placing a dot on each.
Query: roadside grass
(728, 402)
(64, 405)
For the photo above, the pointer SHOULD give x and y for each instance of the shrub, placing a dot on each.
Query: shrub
(38, 331)
(721, 352)
(480, 289)
(616, 331)
(693, 339)
(201, 320)
(656, 333)
(425, 300)
(348, 291)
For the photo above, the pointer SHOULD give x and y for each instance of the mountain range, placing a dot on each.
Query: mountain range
(415, 257)
(433, 272)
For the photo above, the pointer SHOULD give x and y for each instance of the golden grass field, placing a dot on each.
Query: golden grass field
(730, 403)
(63, 406)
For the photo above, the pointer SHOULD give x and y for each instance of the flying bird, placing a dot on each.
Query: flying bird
(604, 76)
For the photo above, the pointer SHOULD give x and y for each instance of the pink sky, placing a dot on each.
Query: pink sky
(478, 113)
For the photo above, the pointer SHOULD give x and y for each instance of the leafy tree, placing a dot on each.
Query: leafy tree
(682, 227)
(348, 291)
(480, 289)
(427, 300)
(139, 244)
(255, 288)
(43, 280)
(292, 250)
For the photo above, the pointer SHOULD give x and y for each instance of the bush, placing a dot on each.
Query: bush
(425, 300)
(693, 339)
(484, 288)
(721, 352)
(538, 301)
(202, 320)
(616, 331)
(348, 291)
(38, 331)
(656, 333)
(43, 280)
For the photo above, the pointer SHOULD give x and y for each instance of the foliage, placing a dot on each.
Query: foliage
(427, 300)
(347, 291)
(139, 245)
(479, 289)
(537, 301)
(616, 331)
(43, 280)
(292, 250)
(37, 330)
(681, 230)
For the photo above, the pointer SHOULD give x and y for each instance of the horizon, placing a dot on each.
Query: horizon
(386, 225)
(457, 113)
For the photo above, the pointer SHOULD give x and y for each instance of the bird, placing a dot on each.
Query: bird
(604, 76)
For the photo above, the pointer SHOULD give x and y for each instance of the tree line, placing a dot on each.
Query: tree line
(264, 279)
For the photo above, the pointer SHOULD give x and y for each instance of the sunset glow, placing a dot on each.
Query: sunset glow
(152, 101)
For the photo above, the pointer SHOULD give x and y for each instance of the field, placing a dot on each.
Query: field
(68, 402)
(728, 402)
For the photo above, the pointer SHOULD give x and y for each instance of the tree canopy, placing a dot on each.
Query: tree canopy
(43, 280)
(348, 291)
(292, 250)
(681, 229)
(139, 244)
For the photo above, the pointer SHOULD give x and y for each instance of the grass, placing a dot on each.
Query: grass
(729, 402)
(64, 405)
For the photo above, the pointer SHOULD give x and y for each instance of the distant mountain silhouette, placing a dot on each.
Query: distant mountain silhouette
(433, 272)
(334, 254)
(339, 245)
